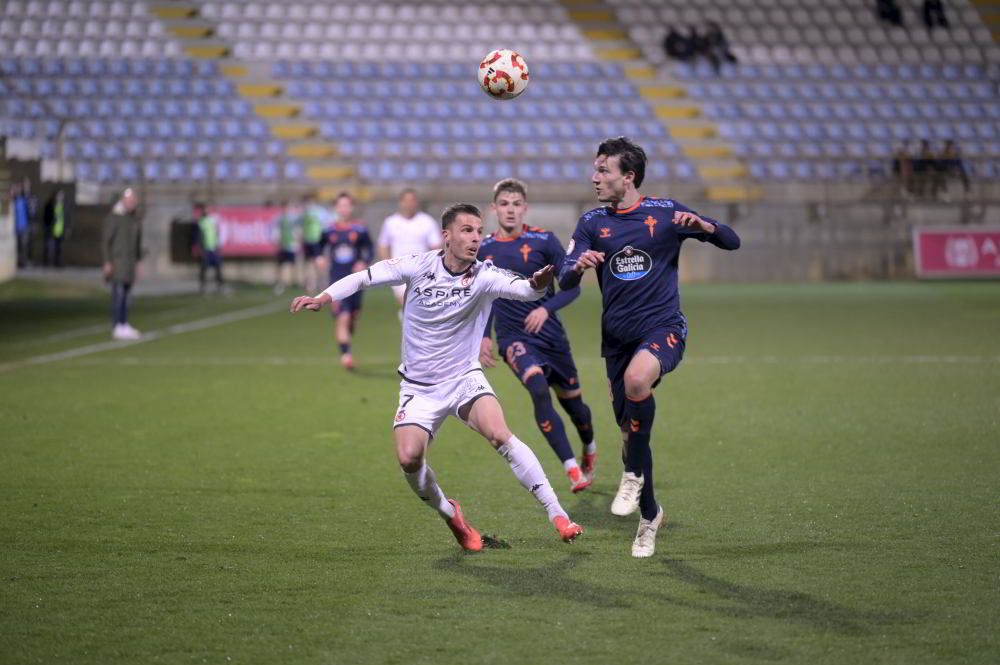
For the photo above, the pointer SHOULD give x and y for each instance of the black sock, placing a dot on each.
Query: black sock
(344, 348)
(548, 420)
(579, 414)
(639, 415)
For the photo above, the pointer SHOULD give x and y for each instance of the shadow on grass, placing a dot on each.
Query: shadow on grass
(750, 602)
(653, 584)
(551, 580)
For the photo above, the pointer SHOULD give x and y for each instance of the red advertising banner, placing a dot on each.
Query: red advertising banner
(957, 252)
(248, 230)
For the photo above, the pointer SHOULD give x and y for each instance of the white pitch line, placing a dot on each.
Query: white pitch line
(277, 361)
(153, 335)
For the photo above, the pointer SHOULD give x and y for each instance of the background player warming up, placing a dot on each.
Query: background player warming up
(634, 243)
(348, 248)
(449, 296)
(531, 337)
(408, 231)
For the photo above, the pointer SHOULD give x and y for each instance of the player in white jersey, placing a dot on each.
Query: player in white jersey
(409, 231)
(449, 294)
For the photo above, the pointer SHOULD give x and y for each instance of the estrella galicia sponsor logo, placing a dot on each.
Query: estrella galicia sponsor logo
(630, 264)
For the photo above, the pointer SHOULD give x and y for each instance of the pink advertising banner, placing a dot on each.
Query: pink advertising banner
(247, 230)
(957, 252)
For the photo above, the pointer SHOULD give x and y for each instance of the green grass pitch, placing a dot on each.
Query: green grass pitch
(828, 456)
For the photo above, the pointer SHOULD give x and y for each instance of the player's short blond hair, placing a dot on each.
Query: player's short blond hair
(512, 185)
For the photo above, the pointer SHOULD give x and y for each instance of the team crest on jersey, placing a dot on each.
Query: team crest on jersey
(630, 264)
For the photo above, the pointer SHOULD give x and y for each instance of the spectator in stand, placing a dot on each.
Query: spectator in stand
(121, 247)
(677, 46)
(889, 12)
(934, 14)
(902, 169)
(715, 47)
(56, 227)
(951, 166)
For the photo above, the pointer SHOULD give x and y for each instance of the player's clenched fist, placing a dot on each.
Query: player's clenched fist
(691, 219)
(588, 259)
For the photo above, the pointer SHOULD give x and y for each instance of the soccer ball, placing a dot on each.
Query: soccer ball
(503, 74)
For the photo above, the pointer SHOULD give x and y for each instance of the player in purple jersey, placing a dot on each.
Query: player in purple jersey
(530, 335)
(633, 243)
(347, 247)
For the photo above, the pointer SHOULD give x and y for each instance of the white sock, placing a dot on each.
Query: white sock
(423, 482)
(590, 448)
(571, 463)
(529, 472)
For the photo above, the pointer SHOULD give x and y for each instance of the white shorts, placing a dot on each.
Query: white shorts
(428, 406)
(399, 290)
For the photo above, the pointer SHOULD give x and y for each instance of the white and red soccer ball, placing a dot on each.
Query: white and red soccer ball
(503, 74)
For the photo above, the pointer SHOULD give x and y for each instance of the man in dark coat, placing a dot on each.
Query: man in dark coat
(121, 246)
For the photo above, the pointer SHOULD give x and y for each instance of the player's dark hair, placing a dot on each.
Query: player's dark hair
(409, 190)
(631, 157)
(343, 195)
(512, 185)
(452, 212)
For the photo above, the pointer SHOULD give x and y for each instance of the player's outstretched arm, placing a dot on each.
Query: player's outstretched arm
(385, 272)
(505, 284)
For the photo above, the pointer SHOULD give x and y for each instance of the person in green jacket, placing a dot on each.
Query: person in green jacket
(311, 223)
(286, 231)
(56, 225)
(121, 249)
(210, 244)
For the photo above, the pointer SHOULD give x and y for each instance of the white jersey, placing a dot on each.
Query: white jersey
(415, 235)
(444, 314)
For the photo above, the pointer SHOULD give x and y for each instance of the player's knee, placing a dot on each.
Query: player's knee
(637, 384)
(497, 436)
(410, 457)
(538, 387)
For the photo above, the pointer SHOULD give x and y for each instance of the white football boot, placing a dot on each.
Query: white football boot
(627, 499)
(644, 544)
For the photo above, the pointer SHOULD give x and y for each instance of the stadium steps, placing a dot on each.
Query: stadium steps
(989, 12)
(174, 11)
(268, 98)
(723, 176)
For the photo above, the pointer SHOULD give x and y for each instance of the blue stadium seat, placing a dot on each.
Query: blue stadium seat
(127, 171)
(151, 170)
(222, 170)
(198, 171)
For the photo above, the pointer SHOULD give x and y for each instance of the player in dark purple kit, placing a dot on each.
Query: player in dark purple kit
(347, 247)
(634, 243)
(531, 337)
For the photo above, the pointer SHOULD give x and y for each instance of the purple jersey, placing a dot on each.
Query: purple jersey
(638, 277)
(528, 252)
(345, 244)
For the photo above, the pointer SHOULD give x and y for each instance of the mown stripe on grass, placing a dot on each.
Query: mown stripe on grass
(151, 336)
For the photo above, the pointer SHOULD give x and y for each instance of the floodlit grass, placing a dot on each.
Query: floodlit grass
(828, 456)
